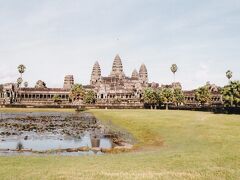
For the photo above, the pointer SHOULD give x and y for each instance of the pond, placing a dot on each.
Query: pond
(55, 133)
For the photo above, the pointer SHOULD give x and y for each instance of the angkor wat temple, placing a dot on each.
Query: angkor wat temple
(114, 90)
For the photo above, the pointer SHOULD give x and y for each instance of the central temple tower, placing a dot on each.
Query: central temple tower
(117, 68)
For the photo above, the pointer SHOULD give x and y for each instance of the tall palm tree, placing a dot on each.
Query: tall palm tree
(229, 75)
(19, 81)
(174, 69)
(21, 69)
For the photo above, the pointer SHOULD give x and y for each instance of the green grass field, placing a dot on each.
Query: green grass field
(170, 145)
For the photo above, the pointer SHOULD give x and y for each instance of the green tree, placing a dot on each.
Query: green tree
(231, 94)
(117, 100)
(150, 97)
(167, 94)
(159, 96)
(77, 92)
(178, 96)
(203, 95)
(90, 97)
(57, 99)
(40, 84)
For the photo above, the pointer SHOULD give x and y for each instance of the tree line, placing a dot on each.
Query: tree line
(158, 96)
(230, 94)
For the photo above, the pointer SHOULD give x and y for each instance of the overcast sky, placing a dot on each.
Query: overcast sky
(58, 37)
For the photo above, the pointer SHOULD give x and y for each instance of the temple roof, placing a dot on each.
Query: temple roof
(117, 67)
(117, 63)
(135, 74)
(96, 64)
(96, 71)
(49, 90)
(143, 69)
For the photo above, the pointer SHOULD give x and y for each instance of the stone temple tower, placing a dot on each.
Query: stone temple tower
(117, 68)
(135, 74)
(143, 74)
(68, 82)
(96, 74)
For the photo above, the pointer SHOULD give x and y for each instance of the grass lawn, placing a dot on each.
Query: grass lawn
(170, 145)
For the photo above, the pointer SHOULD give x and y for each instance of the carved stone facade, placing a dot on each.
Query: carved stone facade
(143, 74)
(115, 90)
(117, 68)
(8, 93)
(40, 84)
(68, 82)
(96, 74)
(117, 87)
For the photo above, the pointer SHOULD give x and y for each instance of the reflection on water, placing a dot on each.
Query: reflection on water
(43, 143)
(51, 131)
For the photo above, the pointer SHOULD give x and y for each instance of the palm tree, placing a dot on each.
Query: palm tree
(19, 81)
(21, 69)
(77, 92)
(26, 84)
(229, 75)
(174, 69)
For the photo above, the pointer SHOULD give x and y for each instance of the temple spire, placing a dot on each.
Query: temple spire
(135, 74)
(117, 67)
(96, 73)
(143, 74)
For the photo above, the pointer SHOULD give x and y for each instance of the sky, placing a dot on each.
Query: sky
(59, 37)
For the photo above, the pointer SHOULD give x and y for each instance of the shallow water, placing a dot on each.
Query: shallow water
(43, 143)
(49, 140)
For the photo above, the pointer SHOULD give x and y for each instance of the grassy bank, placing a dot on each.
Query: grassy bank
(170, 145)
